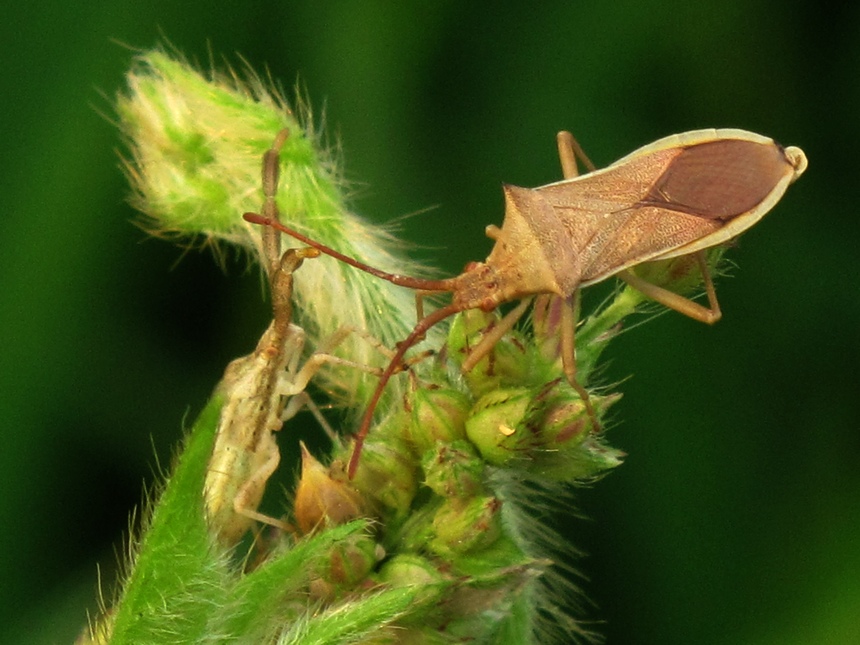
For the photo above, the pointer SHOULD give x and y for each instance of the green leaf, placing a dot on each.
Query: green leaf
(177, 575)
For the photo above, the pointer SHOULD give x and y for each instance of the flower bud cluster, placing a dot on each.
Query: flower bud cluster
(437, 471)
(431, 470)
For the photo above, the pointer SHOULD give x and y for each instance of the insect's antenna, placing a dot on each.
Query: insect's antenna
(418, 332)
(395, 278)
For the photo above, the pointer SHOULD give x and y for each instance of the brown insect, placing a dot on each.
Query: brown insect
(679, 195)
(263, 390)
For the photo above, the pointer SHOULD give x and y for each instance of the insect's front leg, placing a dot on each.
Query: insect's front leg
(295, 380)
(494, 335)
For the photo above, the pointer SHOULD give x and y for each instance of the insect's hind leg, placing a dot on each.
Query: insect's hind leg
(708, 315)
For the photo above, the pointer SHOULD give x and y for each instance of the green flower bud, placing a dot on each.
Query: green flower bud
(465, 331)
(563, 434)
(417, 530)
(495, 425)
(461, 527)
(348, 563)
(490, 608)
(454, 471)
(584, 461)
(410, 569)
(416, 571)
(438, 415)
(564, 420)
(387, 474)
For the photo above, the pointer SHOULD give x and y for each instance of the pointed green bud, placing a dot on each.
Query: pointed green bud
(492, 593)
(454, 471)
(417, 529)
(495, 425)
(564, 420)
(591, 458)
(417, 571)
(466, 527)
(465, 330)
(438, 415)
(492, 560)
(323, 500)
(567, 448)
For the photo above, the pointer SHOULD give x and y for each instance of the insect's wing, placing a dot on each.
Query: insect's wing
(676, 196)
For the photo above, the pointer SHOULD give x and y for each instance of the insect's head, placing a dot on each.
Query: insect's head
(477, 288)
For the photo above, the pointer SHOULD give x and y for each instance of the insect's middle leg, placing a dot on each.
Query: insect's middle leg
(568, 355)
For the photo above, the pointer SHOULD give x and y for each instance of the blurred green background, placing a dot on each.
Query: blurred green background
(736, 518)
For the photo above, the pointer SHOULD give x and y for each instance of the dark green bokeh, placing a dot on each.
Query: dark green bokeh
(735, 519)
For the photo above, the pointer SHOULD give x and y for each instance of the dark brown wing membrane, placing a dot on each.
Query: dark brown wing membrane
(719, 179)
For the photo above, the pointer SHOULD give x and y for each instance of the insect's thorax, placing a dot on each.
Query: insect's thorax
(533, 252)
